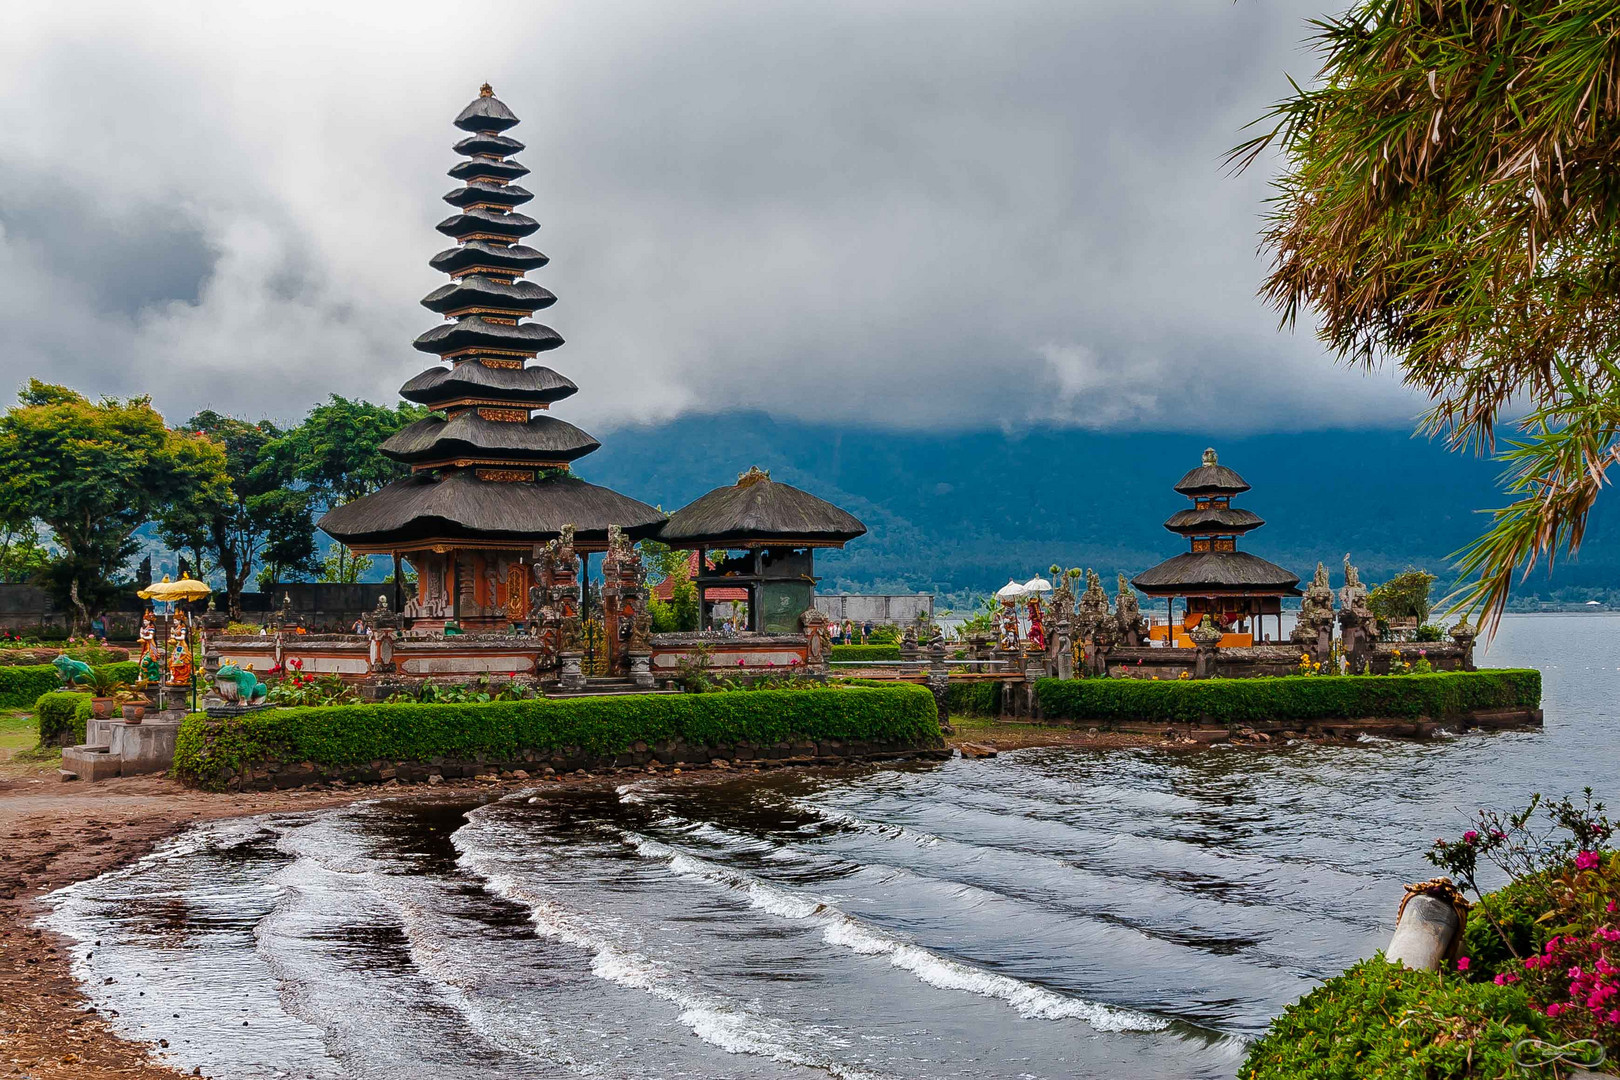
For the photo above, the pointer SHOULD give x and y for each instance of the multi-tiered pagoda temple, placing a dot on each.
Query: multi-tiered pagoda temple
(1234, 587)
(490, 469)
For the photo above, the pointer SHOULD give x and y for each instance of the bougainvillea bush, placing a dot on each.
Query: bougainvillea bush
(1539, 975)
(1554, 930)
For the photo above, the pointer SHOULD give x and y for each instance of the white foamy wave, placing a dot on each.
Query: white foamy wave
(715, 1021)
(856, 823)
(838, 928)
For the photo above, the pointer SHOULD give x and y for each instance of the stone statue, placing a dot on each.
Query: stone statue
(1358, 627)
(149, 666)
(1206, 639)
(1092, 609)
(817, 638)
(1314, 630)
(1129, 624)
(180, 663)
(236, 684)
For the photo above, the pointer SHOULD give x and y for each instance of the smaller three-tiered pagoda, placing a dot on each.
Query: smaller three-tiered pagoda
(1214, 578)
(490, 475)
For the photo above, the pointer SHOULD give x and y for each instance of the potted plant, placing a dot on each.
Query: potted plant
(103, 685)
(133, 705)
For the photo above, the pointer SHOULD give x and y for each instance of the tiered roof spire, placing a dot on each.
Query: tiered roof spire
(491, 390)
(491, 466)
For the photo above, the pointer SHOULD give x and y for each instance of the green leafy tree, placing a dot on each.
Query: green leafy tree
(344, 566)
(22, 556)
(335, 452)
(1448, 203)
(266, 516)
(335, 449)
(1404, 596)
(93, 473)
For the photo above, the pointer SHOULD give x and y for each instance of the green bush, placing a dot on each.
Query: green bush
(1381, 1019)
(20, 687)
(864, 652)
(1249, 701)
(346, 736)
(974, 698)
(61, 713)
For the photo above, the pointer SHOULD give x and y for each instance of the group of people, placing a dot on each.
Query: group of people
(849, 633)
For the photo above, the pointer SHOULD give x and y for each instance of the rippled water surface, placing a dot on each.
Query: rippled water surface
(1043, 914)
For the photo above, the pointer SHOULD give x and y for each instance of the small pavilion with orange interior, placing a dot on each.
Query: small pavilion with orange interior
(1237, 589)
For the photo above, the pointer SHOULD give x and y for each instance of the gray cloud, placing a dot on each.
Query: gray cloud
(906, 214)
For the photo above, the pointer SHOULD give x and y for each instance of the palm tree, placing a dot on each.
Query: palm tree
(1450, 203)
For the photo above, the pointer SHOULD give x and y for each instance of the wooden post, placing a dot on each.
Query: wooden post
(399, 586)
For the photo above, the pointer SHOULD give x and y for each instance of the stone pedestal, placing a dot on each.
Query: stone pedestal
(572, 674)
(171, 698)
(641, 670)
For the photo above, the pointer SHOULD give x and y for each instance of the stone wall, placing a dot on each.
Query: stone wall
(535, 764)
(896, 608)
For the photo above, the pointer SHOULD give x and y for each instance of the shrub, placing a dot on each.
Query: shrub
(885, 634)
(1246, 701)
(1382, 1019)
(974, 698)
(1431, 632)
(347, 736)
(61, 716)
(20, 687)
(864, 652)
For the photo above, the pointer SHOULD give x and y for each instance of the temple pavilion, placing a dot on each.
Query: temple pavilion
(1213, 577)
(760, 536)
(490, 469)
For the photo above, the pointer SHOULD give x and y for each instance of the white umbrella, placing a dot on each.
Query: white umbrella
(1010, 591)
(1037, 584)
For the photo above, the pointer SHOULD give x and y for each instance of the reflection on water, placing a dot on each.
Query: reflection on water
(1050, 913)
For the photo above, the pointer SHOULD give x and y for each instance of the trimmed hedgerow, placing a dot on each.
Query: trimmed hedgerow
(345, 736)
(1382, 1019)
(864, 652)
(981, 698)
(62, 713)
(1290, 698)
(20, 687)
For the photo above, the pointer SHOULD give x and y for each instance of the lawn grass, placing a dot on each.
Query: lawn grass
(20, 753)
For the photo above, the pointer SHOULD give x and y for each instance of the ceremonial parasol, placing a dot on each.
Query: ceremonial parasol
(1037, 584)
(187, 588)
(1010, 591)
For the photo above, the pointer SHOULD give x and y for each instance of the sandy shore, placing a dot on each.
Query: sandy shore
(53, 834)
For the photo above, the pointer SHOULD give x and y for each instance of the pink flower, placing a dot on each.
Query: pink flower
(1505, 978)
(1470, 836)
(1586, 860)
(1462, 963)
(1611, 909)
(1554, 1009)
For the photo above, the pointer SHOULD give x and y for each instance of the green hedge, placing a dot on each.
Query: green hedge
(20, 687)
(1289, 698)
(58, 712)
(1380, 1019)
(345, 736)
(864, 652)
(974, 698)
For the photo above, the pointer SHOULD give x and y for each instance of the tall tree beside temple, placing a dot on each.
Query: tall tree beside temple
(94, 472)
(335, 450)
(265, 518)
(1448, 202)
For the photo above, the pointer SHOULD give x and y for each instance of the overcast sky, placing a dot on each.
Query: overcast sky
(932, 213)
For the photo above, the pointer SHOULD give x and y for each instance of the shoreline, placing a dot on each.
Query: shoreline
(53, 834)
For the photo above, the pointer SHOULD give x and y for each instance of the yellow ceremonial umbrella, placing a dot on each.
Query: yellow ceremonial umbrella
(187, 588)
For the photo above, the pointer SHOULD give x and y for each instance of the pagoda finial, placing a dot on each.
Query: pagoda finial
(753, 476)
(1209, 457)
(486, 91)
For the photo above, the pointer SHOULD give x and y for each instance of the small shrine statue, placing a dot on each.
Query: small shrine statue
(149, 665)
(1037, 633)
(180, 663)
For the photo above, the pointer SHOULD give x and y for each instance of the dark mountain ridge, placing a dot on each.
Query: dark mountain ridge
(958, 512)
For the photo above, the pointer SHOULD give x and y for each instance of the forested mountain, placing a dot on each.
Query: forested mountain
(962, 511)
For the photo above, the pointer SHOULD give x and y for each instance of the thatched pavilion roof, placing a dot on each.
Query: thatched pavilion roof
(1195, 573)
(757, 511)
(459, 506)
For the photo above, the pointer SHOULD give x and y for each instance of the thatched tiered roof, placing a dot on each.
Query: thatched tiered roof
(487, 468)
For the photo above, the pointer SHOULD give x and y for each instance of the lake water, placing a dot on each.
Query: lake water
(1047, 913)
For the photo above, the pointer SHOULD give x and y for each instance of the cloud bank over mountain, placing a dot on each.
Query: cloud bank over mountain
(957, 215)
